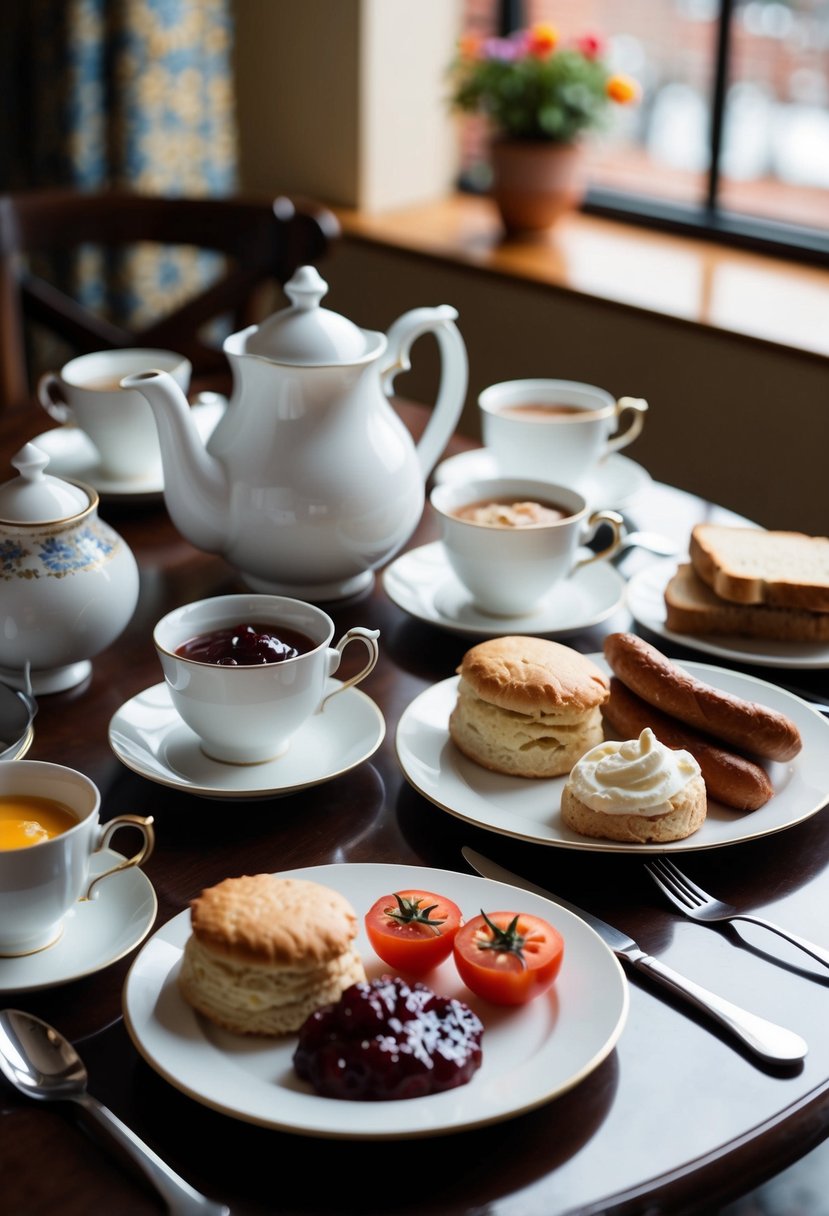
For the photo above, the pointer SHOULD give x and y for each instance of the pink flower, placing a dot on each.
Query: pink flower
(590, 45)
(500, 48)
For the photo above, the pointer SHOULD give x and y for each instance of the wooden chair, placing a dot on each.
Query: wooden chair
(262, 242)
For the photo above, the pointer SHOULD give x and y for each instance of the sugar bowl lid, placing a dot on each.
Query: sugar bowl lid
(35, 496)
(305, 333)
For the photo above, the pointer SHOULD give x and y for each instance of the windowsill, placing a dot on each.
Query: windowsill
(695, 281)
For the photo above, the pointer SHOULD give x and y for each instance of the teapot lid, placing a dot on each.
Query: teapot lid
(35, 497)
(305, 333)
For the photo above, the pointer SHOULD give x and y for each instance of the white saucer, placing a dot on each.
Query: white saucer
(611, 486)
(422, 584)
(96, 932)
(149, 737)
(72, 454)
(645, 597)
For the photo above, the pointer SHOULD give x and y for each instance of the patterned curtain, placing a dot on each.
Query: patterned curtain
(130, 93)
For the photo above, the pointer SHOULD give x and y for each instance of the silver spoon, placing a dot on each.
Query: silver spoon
(42, 1064)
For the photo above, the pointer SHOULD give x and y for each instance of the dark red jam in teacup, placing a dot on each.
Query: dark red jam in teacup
(246, 645)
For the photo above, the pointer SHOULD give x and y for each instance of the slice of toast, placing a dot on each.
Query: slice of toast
(753, 566)
(693, 608)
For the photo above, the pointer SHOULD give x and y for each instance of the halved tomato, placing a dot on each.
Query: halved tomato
(413, 931)
(508, 957)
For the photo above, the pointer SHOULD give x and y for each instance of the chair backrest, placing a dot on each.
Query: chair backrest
(261, 241)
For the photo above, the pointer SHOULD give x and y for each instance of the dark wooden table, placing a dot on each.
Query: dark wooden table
(676, 1119)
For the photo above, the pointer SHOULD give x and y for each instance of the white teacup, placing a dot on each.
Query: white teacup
(39, 883)
(119, 421)
(508, 570)
(555, 430)
(249, 714)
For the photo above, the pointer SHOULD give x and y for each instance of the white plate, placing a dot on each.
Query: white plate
(96, 932)
(149, 737)
(72, 454)
(531, 1053)
(645, 597)
(613, 485)
(422, 584)
(530, 809)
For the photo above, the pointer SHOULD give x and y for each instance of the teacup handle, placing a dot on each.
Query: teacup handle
(145, 827)
(369, 639)
(639, 407)
(617, 524)
(50, 396)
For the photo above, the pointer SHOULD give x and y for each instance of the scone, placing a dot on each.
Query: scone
(265, 952)
(636, 790)
(527, 706)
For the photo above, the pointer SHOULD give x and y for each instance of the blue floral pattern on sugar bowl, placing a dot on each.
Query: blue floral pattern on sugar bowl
(57, 555)
(70, 582)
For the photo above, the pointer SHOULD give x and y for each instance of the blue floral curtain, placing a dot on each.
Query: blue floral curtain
(129, 93)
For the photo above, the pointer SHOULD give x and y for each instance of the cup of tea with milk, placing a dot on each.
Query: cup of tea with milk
(512, 540)
(87, 393)
(556, 430)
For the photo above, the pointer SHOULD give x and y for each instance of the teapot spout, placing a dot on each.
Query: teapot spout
(196, 486)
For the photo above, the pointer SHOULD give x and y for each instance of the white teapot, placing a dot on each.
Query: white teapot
(310, 480)
(69, 581)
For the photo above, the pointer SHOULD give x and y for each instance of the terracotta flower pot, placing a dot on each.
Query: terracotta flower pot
(534, 182)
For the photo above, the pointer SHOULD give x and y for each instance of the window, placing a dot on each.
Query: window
(731, 137)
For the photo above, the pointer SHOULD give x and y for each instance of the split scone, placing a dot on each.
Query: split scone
(635, 790)
(265, 952)
(527, 706)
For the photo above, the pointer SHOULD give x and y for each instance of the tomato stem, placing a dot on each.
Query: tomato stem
(504, 941)
(410, 912)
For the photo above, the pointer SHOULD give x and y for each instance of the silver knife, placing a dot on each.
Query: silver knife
(765, 1039)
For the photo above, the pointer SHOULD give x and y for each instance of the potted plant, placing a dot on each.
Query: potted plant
(540, 96)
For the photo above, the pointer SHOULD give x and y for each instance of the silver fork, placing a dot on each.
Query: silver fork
(699, 905)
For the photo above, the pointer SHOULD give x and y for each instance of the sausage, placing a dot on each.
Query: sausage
(747, 725)
(729, 778)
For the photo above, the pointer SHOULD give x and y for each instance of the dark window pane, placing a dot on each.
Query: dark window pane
(659, 147)
(775, 161)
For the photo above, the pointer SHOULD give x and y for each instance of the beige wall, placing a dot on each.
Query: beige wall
(409, 145)
(742, 424)
(344, 100)
(297, 96)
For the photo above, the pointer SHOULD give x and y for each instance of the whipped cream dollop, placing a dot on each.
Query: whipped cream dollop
(638, 776)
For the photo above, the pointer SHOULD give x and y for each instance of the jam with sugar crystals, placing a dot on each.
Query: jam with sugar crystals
(387, 1039)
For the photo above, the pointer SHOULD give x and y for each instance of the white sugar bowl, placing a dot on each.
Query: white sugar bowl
(68, 581)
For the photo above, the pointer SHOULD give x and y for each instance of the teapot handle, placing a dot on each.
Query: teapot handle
(454, 373)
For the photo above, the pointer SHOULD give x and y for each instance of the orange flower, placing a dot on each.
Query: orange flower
(542, 40)
(469, 46)
(623, 89)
